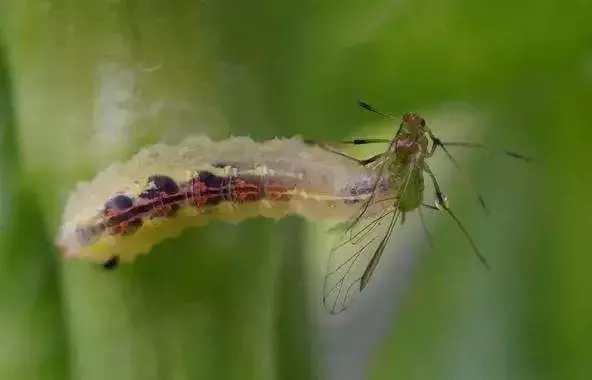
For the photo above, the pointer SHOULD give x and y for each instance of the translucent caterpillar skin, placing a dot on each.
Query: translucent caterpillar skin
(162, 190)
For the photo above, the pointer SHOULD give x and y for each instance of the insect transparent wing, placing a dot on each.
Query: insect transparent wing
(379, 166)
(354, 255)
(360, 243)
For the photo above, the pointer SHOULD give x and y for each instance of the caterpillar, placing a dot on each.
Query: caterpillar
(163, 189)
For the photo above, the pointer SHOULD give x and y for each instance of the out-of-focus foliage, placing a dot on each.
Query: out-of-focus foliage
(85, 83)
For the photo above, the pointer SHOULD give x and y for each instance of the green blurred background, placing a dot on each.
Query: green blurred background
(84, 83)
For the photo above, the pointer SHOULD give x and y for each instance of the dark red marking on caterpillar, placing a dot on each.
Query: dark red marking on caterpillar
(147, 207)
(278, 192)
(165, 197)
(118, 205)
(210, 189)
(162, 187)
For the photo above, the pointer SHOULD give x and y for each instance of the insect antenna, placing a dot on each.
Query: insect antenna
(442, 204)
(371, 108)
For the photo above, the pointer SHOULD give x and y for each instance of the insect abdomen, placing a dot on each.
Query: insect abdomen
(413, 195)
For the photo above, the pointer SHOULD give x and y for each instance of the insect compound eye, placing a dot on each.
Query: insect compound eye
(423, 123)
(160, 184)
(119, 202)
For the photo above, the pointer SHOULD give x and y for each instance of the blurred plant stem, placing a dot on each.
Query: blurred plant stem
(93, 82)
(31, 324)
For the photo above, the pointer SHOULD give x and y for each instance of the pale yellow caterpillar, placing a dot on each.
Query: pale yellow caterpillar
(163, 189)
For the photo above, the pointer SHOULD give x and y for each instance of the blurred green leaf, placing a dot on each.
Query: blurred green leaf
(86, 83)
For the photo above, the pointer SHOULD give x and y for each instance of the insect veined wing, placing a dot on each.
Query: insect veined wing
(359, 245)
(354, 256)
(379, 165)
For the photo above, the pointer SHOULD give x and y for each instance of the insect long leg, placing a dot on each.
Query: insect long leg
(348, 142)
(425, 226)
(431, 207)
(436, 142)
(327, 146)
(482, 146)
(365, 141)
(442, 204)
